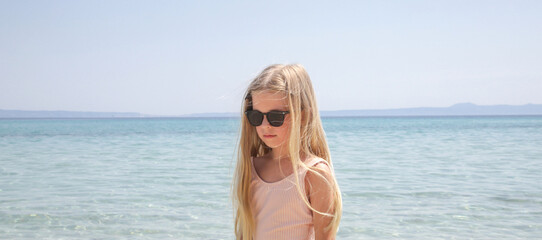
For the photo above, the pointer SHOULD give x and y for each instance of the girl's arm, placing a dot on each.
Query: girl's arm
(321, 198)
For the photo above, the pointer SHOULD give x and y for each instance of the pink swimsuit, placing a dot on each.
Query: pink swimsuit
(279, 211)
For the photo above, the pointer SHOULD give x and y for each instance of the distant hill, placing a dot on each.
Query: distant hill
(204, 115)
(67, 114)
(460, 109)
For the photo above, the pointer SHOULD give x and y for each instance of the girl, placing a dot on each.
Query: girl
(284, 184)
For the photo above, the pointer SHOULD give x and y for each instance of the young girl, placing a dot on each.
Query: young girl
(284, 184)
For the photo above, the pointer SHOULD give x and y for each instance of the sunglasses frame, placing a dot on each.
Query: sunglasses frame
(283, 113)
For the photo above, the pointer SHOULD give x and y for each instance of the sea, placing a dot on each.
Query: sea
(170, 178)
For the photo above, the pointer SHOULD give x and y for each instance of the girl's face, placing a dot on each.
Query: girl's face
(265, 101)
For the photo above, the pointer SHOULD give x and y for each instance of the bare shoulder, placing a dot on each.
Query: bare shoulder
(321, 197)
(322, 167)
(321, 175)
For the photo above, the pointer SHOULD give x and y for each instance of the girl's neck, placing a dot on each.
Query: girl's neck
(278, 154)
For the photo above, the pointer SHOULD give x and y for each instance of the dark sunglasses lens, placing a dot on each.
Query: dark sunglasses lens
(275, 119)
(255, 118)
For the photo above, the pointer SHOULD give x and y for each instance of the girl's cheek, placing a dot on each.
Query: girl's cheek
(285, 131)
(259, 132)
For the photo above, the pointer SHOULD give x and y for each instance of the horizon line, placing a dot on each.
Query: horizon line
(458, 106)
(321, 110)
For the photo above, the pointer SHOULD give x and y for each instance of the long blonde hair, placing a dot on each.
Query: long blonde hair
(307, 137)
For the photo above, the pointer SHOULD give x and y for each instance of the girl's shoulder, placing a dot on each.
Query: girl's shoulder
(319, 177)
(316, 162)
(320, 168)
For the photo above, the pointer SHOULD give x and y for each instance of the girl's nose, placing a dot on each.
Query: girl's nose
(265, 123)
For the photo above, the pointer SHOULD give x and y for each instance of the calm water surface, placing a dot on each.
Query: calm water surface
(401, 178)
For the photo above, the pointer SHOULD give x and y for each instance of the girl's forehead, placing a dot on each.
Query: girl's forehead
(277, 99)
(269, 94)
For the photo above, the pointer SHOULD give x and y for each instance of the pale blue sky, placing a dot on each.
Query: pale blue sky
(173, 57)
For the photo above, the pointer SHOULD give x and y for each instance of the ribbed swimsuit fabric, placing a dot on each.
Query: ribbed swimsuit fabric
(279, 211)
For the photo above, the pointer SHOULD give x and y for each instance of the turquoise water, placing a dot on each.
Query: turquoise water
(401, 178)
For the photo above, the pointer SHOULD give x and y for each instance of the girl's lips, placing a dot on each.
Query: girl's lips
(269, 136)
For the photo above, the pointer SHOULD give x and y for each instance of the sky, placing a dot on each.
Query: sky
(181, 57)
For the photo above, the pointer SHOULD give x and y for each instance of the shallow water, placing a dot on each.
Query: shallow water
(406, 178)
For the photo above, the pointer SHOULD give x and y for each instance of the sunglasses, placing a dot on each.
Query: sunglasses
(275, 118)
